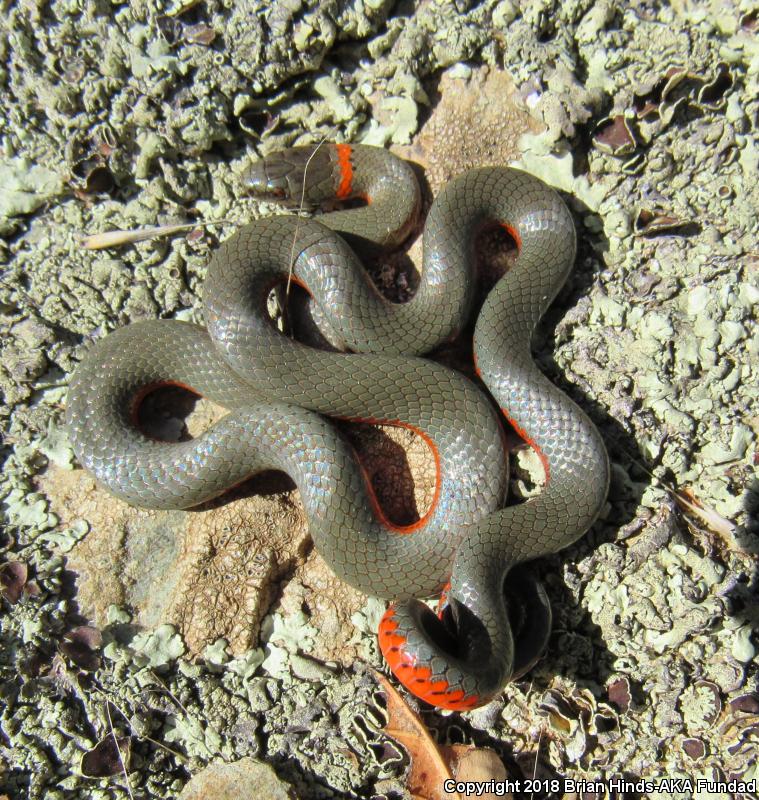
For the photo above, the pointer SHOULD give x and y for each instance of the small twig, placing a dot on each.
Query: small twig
(100, 241)
(118, 749)
(535, 765)
(301, 208)
(137, 735)
(168, 692)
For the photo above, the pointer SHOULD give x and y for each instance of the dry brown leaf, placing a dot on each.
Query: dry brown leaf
(470, 763)
(110, 756)
(716, 523)
(428, 770)
(690, 504)
(13, 579)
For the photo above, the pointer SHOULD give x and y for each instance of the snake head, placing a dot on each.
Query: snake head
(279, 177)
(268, 179)
(298, 176)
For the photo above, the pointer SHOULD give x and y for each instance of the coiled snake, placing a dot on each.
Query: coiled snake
(277, 390)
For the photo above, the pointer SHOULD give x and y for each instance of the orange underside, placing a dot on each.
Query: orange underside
(417, 678)
(345, 189)
(513, 233)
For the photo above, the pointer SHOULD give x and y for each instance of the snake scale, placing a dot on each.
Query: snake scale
(278, 392)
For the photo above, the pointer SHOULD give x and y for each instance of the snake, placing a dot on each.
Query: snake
(283, 396)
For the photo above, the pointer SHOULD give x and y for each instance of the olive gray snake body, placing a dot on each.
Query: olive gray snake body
(277, 390)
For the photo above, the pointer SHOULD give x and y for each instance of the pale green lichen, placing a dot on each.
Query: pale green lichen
(557, 169)
(29, 509)
(56, 446)
(194, 735)
(64, 540)
(293, 632)
(148, 55)
(742, 647)
(217, 653)
(368, 618)
(285, 637)
(157, 648)
(327, 87)
(366, 624)
(25, 188)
